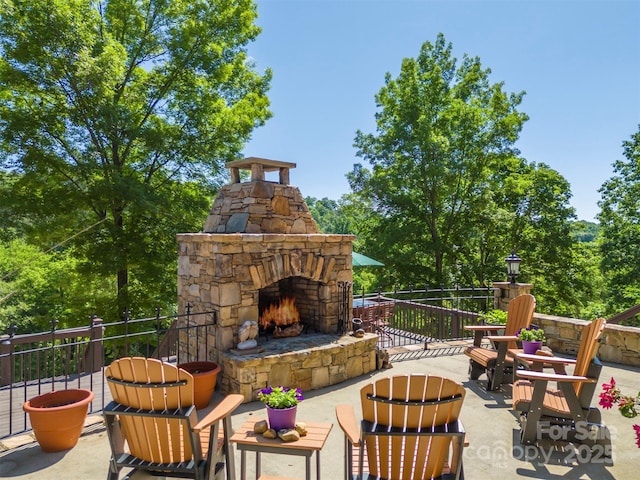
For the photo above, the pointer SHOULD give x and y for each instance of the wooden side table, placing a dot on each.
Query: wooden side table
(248, 441)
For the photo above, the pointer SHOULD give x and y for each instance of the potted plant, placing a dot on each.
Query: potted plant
(532, 338)
(205, 375)
(57, 417)
(282, 405)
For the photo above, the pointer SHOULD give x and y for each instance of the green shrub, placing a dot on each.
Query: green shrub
(494, 316)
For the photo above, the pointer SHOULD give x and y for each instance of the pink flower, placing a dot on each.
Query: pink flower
(609, 395)
(606, 400)
(607, 387)
(626, 405)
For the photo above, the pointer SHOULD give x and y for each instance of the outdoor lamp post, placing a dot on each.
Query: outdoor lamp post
(513, 266)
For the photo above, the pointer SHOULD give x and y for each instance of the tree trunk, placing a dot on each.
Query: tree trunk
(123, 291)
(123, 262)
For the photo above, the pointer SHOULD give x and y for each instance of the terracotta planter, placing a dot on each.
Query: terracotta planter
(57, 417)
(205, 375)
(282, 418)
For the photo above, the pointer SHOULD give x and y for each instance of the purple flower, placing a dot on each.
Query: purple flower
(280, 397)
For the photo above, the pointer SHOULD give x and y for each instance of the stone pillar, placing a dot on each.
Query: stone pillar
(505, 292)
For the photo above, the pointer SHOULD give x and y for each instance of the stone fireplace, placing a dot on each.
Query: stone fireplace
(260, 248)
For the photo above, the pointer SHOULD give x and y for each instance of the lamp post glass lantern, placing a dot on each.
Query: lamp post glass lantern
(513, 266)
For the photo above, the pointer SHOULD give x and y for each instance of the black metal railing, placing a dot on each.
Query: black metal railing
(37, 363)
(32, 364)
(422, 316)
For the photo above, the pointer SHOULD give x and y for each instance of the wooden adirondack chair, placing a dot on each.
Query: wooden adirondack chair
(409, 430)
(570, 403)
(494, 361)
(152, 423)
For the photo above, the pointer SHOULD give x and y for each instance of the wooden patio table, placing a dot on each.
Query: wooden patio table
(248, 441)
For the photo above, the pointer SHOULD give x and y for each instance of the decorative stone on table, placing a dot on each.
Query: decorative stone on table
(261, 426)
(271, 433)
(289, 435)
(301, 428)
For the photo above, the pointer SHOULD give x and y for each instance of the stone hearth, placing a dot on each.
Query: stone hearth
(307, 362)
(261, 244)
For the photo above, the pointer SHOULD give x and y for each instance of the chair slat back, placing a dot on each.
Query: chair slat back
(519, 315)
(152, 385)
(588, 349)
(403, 404)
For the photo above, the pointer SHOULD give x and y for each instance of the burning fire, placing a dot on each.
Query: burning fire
(281, 314)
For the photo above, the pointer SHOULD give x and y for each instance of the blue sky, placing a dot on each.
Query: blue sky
(578, 61)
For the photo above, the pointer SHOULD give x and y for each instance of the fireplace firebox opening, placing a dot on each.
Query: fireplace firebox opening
(289, 307)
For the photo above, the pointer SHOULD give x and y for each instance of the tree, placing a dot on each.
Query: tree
(327, 216)
(535, 201)
(31, 297)
(620, 229)
(448, 194)
(350, 215)
(584, 231)
(442, 131)
(123, 111)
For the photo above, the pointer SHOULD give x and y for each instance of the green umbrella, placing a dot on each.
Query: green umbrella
(359, 260)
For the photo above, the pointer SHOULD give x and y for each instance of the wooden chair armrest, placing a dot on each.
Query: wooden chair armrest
(502, 338)
(347, 421)
(537, 358)
(532, 375)
(224, 408)
(490, 328)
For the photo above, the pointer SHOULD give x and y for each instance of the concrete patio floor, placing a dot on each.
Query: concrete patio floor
(493, 432)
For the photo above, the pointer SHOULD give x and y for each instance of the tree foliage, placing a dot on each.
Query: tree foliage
(33, 286)
(349, 215)
(584, 231)
(442, 130)
(449, 196)
(122, 112)
(620, 223)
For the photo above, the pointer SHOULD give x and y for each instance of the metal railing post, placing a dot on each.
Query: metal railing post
(54, 322)
(158, 337)
(126, 331)
(93, 357)
(455, 318)
(6, 357)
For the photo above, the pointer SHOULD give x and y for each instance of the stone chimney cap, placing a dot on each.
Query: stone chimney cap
(258, 166)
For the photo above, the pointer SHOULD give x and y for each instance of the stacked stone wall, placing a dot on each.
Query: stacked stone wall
(618, 344)
(325, 364)
(225, 272)
(259, 207)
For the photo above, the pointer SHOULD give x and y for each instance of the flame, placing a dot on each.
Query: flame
(281, 314)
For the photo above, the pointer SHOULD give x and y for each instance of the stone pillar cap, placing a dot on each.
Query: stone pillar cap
(258, 166)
